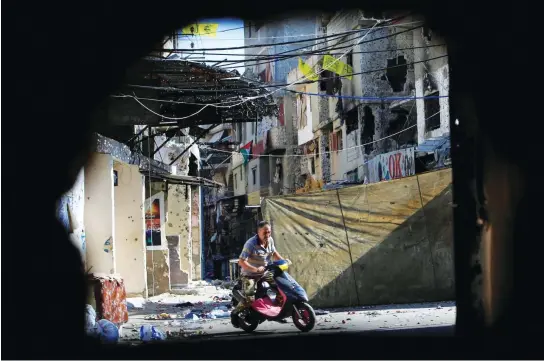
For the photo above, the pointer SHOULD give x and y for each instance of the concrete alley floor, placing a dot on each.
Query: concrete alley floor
(173, 315)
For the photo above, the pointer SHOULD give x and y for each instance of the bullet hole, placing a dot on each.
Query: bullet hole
(391, 202)
(307, 233)
(321, 245)
(88, 198)
(396, 73)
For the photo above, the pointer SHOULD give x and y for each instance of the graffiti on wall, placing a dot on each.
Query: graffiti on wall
(392, 165)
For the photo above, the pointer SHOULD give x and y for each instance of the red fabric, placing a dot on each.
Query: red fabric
(266, 307)
(281, 115)
(111, 299)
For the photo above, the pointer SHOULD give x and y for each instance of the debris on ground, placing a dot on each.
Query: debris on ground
(151, 333)
(321, 312)
(90, 317)
(184, 304)
(373, 313)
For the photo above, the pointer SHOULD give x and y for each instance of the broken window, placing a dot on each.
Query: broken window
(398, 127)
(367, 134)
(349, 58)
(396, 73)
(352, 120)
(193, 166)
(312, 165)
(352, 176)
(432, 112)
(254, 172)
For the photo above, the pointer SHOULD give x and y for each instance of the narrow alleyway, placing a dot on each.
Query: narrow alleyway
(202, 311)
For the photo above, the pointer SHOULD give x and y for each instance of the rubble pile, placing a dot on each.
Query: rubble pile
(179, 314)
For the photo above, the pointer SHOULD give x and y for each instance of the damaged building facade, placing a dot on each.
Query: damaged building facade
(390, 119)
(387, 119)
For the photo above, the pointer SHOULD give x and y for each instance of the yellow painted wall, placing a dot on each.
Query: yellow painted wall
(98, 214)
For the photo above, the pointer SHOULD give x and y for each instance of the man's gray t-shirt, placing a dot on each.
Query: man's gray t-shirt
(256, 255)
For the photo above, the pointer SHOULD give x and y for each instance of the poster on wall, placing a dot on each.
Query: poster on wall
(392, 165)
(154, 219)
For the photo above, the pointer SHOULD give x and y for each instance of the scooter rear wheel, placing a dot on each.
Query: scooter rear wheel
(307, 322)
(248, 324)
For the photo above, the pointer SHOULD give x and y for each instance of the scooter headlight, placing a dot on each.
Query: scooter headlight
(265, 284)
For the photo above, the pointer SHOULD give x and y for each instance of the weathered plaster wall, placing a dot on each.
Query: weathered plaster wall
(281, 31)
(240, 175)
(158, 270)
(178, 223)
(195, 233)
(129, 196)
(177, 277)
(437, 73)
(99, 214)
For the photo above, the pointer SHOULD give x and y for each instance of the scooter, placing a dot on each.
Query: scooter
(273, 303)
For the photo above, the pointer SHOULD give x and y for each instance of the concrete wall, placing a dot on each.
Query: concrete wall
(177, 277)
(195, 233)
(99, 214)
(158, 271)
(437, 73)
(129, 237)
(178, 223)
(305, 133)
(280, 31)
(239, 177)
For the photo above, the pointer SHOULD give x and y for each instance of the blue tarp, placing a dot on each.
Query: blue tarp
(432, 144)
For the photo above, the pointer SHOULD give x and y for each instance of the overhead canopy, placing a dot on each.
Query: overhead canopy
(180, 88)
(188, 180)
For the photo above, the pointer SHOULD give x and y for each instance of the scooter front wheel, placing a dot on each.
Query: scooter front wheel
(306, 321)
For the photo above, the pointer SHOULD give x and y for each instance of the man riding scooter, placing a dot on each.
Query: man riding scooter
(258, 252)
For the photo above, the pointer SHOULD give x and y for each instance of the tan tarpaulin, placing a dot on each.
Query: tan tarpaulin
(369, 244)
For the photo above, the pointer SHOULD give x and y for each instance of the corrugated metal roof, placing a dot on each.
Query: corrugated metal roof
(432, 144)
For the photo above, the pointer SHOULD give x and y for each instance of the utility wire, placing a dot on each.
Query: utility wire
(291, 36)
(315, 94)
(175, 89)
(326, 152)
(329, 37)
(316, 52)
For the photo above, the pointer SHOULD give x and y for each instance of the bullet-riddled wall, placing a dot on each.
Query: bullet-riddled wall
(129, 196)
(178, 223)
(195, 233)
(99, 215)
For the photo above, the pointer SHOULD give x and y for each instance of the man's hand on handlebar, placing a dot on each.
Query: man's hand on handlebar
(261, 269)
